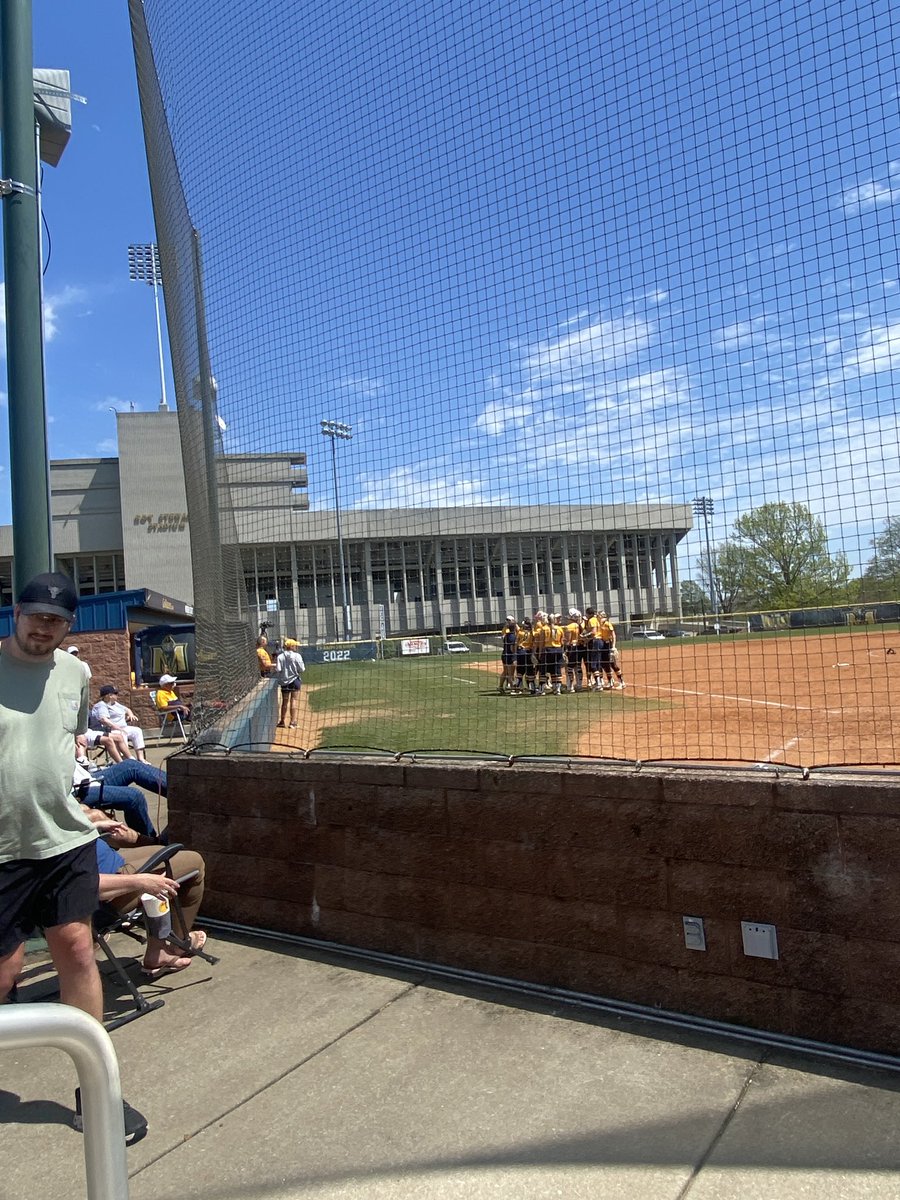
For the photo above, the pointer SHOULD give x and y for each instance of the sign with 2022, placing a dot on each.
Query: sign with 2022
(357, 652)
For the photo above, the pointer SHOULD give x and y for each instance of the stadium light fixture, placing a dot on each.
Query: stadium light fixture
(704, 507)
(144, 267)
(334, 430)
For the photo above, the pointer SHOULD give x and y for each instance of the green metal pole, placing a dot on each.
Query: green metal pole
(29, 467)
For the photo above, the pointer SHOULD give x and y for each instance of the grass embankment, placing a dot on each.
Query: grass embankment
(444, 704)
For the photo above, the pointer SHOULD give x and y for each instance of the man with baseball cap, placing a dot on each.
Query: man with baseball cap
(49, 877)
(48, 864)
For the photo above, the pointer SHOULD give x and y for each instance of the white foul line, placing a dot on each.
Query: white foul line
(781, 750)
(459, 679)
(831, 712)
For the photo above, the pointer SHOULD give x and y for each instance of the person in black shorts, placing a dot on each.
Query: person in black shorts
(48, 860)
(508, 656)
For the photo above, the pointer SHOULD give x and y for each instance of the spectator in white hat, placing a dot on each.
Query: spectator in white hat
(167, 697)
(76, 653)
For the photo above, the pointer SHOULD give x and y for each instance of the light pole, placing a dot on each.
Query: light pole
(703, 507)
(143, 265)
(335, 430)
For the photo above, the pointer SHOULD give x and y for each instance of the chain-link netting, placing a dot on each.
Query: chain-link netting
(223, 658)
(586, 319)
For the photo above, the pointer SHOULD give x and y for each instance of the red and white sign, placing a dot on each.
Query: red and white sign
(415, 646)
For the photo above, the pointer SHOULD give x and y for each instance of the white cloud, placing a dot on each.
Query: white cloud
(361, 386)
(872, 193)
(404, 487)
(58, 303)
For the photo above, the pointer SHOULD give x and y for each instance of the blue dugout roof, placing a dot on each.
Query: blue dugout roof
(117, 610)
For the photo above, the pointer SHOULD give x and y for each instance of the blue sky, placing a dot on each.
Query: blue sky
(533, 252)
(100, 327)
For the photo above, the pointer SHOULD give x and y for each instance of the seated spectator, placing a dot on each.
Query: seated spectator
(108, 714)
(76, 653)
(167, 699)
(117, 794)
(113, 741)
(122, 884)
(263, 656)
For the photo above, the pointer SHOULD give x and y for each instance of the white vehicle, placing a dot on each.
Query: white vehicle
(456, 648)
(650, 635)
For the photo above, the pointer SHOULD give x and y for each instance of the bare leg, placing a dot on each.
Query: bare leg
(10, 967)
(72, 950)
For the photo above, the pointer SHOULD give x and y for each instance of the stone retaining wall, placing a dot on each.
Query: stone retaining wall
(574, 877)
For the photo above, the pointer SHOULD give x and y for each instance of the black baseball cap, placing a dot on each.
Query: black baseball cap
(109, 689)
(52, 593)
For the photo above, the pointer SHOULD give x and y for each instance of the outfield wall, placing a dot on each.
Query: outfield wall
(573, 877)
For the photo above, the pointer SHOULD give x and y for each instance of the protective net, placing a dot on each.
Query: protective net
(580, 316)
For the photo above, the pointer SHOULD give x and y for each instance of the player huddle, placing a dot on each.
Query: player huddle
(542, 656)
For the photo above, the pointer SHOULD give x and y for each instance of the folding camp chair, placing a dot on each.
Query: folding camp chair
(109, 920)
(167, 715)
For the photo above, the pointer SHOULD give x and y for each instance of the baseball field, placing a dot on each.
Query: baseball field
(800, 699)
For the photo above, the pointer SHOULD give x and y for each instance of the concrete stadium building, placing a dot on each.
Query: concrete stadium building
(122, 523)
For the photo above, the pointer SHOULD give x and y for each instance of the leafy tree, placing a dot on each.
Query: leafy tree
(881, 578)
(782, 559)
(693, 598)
(730, 577)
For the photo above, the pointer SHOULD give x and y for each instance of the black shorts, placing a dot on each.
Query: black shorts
(508, 657)
(44, 892)
(604, 652)
(291, 687)
(553, 660)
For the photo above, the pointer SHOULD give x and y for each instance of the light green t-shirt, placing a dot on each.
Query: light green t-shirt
(42, 707)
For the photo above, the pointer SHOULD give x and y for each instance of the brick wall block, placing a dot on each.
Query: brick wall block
(427, 856)
(371, 771)
(872, 842)
(753, 836)
(612, 785)
(718, 789)
(273, 878)
(837, 899)
(872, 969)
(578, 923)
(839, 796)
(283, 916)
(507, 816)
(605, 975)
(507, 957)
(421, 809)
(395, 896)
(368, 932)
(492, 911)
(742, 893)
(338, 803)
(865, 1024)
(529, 783)
(737, 1001)
(816, 961)
(424, 775)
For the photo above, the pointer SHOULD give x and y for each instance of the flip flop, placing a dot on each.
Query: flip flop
(180, 964)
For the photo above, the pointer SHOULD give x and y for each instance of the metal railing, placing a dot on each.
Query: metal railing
(89, 1046)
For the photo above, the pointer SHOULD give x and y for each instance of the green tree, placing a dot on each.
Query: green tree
(784, 559)
(881, 578)
(693, 598)
(730, 579)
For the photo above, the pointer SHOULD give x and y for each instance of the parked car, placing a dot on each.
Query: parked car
(456, 648)
(650, 635)
(677, 631)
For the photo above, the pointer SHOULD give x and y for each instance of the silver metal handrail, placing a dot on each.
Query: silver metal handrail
(89, 1046)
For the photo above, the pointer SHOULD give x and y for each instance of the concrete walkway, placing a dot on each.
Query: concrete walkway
(280, 1074)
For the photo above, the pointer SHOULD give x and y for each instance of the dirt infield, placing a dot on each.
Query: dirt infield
(814, 700)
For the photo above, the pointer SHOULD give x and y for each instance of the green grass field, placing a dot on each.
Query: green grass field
(443, 704)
